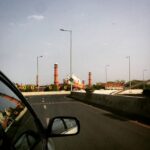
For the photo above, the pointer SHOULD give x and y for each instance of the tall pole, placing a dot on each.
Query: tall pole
(144, 78)
(37, 76)
(106, 71)
(71, 58)
(129, 73)
(37, 80)
(70, 31)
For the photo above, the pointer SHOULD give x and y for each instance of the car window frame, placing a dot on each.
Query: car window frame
(13, 88)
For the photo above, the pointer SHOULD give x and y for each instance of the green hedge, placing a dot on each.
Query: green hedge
(146, 92)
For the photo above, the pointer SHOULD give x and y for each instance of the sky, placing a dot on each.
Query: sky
(104, 32)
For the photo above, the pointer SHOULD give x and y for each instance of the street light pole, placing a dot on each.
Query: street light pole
(37, 76)
(70, 31)
(129, 72)
(106, 71)
(144, 78)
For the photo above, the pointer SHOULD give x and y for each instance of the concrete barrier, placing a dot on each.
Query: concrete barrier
(135, 106)
(45, 93)
(113, 92)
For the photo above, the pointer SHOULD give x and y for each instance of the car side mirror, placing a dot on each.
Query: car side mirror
(63, 126)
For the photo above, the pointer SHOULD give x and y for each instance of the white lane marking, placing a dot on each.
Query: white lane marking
(45, 106)
(47, 120)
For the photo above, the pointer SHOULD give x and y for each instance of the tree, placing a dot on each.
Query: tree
(98, 86)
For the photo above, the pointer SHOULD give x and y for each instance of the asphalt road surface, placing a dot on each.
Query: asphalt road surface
(100, 129)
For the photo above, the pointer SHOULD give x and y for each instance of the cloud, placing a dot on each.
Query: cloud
(12, 24)
(83, 14)
(47, 44)
(36, 17)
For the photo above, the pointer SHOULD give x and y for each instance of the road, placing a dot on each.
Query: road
(100, 129)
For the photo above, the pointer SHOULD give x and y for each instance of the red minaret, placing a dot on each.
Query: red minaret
(83, 84)
(90, 79)
(56, 82)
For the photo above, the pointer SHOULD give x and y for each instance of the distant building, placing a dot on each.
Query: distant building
(114, 86)
(77, 83)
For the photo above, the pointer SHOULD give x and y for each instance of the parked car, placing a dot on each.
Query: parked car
(20, 127)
